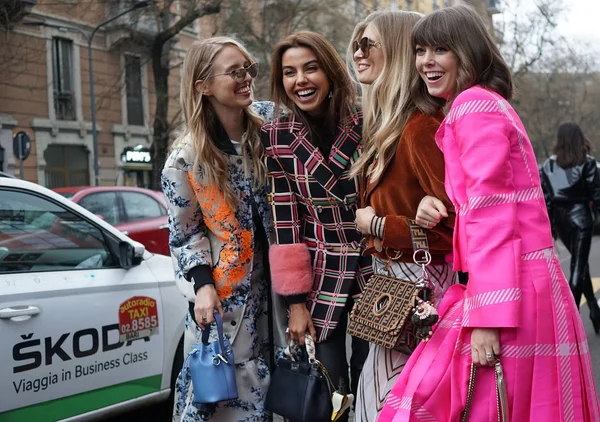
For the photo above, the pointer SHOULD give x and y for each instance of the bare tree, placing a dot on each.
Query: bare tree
(566, 90)
(13, 11)
(262, 23)
(554, 81)
(167, 18)
(527, 35)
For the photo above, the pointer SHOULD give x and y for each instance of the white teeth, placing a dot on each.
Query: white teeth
(306, 92)
(434, 74)
(243, 90)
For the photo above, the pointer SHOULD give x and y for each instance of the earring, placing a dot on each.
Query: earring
(330, 94)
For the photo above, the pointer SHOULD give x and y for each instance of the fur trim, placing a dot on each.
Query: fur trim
(291, 269)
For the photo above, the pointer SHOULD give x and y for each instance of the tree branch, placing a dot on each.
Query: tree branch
(214, 6)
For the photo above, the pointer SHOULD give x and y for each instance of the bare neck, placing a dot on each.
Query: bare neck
(232, 121)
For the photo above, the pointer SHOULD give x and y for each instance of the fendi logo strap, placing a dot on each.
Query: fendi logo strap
(418, 235)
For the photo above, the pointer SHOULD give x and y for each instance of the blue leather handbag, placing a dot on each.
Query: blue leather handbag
(212, 369)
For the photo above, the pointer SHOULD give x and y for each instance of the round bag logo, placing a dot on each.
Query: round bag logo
(138, 317)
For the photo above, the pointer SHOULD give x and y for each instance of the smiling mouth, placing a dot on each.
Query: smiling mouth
(306, 94)
(363, 67)
(243, 91)
(434, 76)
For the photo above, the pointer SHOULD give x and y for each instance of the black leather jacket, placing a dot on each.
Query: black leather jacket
(574, 187)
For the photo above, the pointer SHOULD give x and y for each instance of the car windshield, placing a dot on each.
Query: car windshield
(39, 235)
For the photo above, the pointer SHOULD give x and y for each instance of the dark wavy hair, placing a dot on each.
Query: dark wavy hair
(571, 147)
(461, 30)
(343, 99)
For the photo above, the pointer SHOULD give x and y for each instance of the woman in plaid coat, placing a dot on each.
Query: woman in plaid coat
(316, 260)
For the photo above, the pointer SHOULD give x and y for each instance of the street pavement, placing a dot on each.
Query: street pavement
(593, 339)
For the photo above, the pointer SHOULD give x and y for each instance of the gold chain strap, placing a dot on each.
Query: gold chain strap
(501, 397)
(467, 411)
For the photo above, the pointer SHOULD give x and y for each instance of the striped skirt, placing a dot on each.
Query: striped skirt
(383, 366)
(546, 360)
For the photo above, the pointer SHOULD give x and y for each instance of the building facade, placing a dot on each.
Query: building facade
(45, 84)
(45, 92)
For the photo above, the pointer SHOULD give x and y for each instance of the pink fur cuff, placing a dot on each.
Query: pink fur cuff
(291, 269)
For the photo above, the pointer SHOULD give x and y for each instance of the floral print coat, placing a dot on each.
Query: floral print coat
(204, 230)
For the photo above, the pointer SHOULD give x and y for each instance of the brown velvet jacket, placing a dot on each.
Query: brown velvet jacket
(415, 170)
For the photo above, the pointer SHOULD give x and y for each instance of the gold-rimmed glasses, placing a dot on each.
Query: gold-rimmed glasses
(239, 75)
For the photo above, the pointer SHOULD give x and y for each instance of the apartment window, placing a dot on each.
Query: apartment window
(133, 84)
(62, 79)
(66, 165)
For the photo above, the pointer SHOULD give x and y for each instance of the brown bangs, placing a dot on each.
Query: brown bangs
(432, 30)
(461, 30)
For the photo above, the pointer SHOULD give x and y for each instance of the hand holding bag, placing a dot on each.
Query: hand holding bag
(212, 369)
(302, 391)
(394, 313)
(501, 394)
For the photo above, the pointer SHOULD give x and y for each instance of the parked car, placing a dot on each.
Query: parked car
(139, 213)
(91, 322)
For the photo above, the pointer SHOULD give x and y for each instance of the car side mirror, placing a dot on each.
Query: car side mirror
(126, 255)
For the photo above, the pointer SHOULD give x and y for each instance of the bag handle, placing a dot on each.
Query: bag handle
(308, 342)
(501, 394)
(220, 333)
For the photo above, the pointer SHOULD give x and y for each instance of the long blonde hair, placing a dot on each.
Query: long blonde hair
(387, 102)
(200, 119)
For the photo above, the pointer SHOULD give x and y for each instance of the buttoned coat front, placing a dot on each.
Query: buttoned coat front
(314, 201)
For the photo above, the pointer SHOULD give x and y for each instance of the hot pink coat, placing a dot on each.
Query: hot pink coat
(502, 239)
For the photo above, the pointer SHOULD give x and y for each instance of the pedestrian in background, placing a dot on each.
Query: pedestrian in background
(400, 166)
(571, 186)
(517, 305)
(220, 221)
(315, 259)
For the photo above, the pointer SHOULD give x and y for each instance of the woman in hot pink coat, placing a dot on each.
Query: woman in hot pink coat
(517, 304)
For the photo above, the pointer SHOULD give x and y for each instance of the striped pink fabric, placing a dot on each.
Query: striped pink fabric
(502, 238)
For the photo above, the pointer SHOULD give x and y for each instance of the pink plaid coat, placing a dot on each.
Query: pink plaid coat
(502, 239)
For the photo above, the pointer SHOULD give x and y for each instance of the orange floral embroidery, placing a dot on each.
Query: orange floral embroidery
(224, 291)
(236, 274)
(222, 222)
(227, 255)
(246, 253)
(218, 274)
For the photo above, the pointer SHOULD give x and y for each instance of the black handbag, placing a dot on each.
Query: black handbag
(301, 390)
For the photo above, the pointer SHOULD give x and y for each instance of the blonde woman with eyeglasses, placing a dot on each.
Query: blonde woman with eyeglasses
(220, 223)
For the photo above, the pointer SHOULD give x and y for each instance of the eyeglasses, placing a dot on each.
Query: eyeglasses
(364, 45)
(239, 75)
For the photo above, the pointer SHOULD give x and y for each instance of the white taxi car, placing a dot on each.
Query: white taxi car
(91, 324)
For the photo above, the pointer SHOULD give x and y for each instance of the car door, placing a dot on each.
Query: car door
(78, 331)
(146, 221)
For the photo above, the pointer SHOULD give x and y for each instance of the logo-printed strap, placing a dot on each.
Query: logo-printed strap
(421, 254)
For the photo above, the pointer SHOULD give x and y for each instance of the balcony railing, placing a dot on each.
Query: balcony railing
(64, 105)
